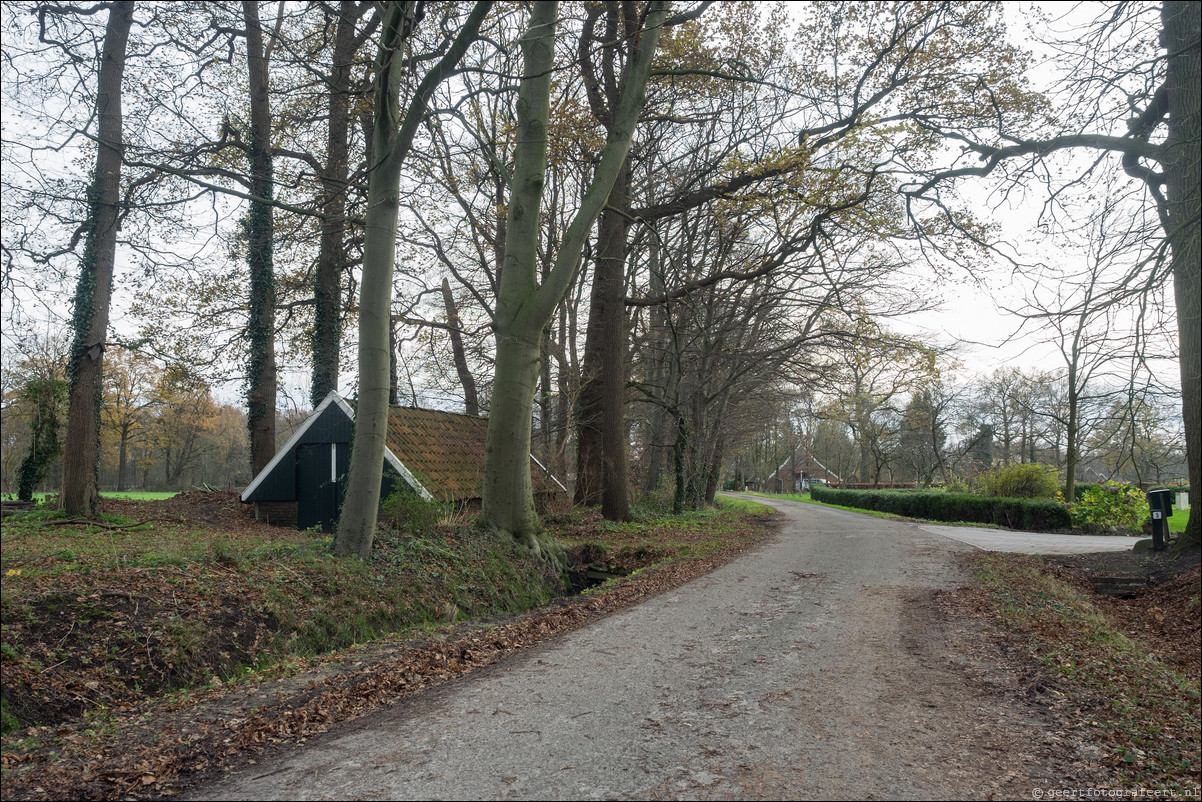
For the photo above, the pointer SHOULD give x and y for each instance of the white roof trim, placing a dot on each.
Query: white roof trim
(809, 454)
(829, 472)
(294, 439)
(400, 468)
(548, 473)
(334, 398)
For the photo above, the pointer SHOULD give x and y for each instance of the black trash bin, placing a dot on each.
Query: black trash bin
(1160, 503)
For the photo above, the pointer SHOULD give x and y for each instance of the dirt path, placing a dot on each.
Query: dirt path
(822, 665)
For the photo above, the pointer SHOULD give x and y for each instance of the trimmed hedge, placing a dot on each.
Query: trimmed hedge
(1036, 514)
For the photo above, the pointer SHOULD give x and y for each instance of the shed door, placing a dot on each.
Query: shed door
(319, 467)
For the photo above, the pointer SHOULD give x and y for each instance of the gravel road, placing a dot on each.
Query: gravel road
(820, 666)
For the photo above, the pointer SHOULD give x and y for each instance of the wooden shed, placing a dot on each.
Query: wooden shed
(437, 455)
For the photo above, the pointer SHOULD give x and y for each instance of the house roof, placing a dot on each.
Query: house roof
(445, 452)
(440, 454)
(807, 456)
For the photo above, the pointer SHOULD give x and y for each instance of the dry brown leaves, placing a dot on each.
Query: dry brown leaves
(160, 749)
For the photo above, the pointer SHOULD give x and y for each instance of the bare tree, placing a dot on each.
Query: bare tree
(1143, 113)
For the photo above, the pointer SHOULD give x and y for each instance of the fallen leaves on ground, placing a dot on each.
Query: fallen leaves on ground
(154, 749)
(1122, 674)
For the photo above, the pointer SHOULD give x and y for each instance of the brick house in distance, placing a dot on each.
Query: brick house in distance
(796, 473)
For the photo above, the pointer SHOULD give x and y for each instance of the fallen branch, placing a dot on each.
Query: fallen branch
(90, 522)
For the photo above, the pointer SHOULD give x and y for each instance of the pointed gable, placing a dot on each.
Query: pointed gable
(438, 454)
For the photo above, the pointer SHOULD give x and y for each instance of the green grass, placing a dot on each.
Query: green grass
(1178, 520)
(134, 495)
(33, 541)
(741, 505)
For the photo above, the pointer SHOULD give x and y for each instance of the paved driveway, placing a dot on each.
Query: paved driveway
(1029, 542)
(1008, 539)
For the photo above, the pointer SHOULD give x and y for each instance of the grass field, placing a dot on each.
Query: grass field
(1178, 520)
(136, 495)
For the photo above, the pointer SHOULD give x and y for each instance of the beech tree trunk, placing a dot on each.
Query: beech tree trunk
(392, 138)
(93, 293)
(524, 308)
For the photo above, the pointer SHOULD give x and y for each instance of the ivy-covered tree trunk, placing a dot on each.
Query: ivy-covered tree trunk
(47, 396)
(260, 230)
(392, 138)
(93, 293)
(1183, 179)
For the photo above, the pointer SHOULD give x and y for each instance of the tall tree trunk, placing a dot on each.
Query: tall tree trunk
(611, 277)
(394, 367)
(392, 138)
(93, 293)
(260, 231)
(601, 459)
(658, 372)
(122, 457)
(508, 489)
(680, 469)
(590, 447)
(1181, 21)
(1070, 448)
(566, 381)
(356, 527)
(471, 402)
(715, 472)
(546, 398)
(331, 258)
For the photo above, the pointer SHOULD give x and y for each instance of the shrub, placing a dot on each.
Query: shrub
(1110, 506)
(405, 511)
(1020, 481)
(957, 484)
(1079, 490)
